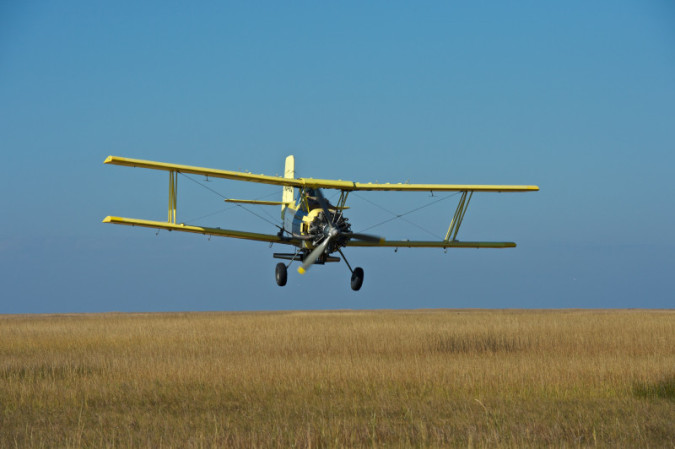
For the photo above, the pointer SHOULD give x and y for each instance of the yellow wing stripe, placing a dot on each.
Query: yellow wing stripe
(431, 244)
(199, 230)
(313, 183)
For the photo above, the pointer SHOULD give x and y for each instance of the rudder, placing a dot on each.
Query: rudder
(289, 172)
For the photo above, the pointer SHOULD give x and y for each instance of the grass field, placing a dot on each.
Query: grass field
(333, 379)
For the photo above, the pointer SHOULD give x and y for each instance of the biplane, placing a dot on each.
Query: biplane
(310, 224)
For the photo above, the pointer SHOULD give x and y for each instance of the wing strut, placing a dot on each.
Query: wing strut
(459, 216)
(173, 196)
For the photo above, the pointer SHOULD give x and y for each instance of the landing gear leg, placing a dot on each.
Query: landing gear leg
(281, 271)
(357, 273)
(281, 274)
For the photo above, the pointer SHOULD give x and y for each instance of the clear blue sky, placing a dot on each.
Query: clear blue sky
(577, 97)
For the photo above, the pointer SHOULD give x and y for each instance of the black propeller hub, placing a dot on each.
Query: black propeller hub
(336, 226)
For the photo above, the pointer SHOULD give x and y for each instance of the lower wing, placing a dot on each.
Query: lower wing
(271, 238)
(431, 244)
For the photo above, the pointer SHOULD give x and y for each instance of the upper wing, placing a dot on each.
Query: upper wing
(271, 238)
(314, 183)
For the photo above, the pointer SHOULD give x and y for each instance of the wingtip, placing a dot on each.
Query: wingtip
(107, 219)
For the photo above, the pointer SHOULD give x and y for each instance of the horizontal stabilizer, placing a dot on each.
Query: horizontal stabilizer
(258, 202)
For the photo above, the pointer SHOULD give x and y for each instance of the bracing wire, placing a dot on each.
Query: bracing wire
(402, 215)
(395, 216)
(233, 206)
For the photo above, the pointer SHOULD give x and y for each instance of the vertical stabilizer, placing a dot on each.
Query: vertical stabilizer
(289, 172)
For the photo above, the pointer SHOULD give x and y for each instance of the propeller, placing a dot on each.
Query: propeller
(316, 252)
(331, 231)
(364, 237)
(324, 205)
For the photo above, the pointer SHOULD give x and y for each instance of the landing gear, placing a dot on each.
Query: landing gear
(281, 270)
(357, 273)
(357, 278)
(281, 274)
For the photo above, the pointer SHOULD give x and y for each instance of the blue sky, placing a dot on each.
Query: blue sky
(576, 97)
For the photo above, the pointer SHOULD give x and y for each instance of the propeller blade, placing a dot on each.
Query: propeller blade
(309, 260)
(364, 237)
(324, 205)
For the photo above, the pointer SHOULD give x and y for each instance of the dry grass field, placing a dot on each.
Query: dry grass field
(458, 378)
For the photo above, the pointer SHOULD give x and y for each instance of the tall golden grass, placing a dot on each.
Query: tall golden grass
(333, 379)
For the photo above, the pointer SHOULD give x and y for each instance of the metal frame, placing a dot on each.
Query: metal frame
(173, 196)
(342, 200)
(456, 221)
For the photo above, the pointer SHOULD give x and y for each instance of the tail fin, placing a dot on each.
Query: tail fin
(289, 172)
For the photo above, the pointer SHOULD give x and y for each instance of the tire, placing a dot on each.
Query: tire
(281, 274)
(357, 278)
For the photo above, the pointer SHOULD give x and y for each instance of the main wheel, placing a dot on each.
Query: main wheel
(281, 274)
(357, 278)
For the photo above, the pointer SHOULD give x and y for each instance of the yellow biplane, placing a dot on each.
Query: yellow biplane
(310, 223)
